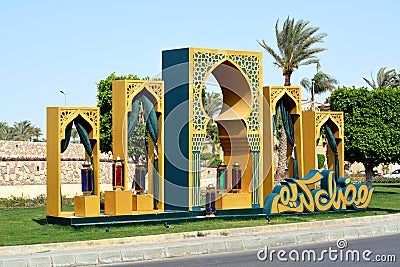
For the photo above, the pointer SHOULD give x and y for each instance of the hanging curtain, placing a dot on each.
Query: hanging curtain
(65, 142)
(289, 129)
(152, 126)
(83, 136)
(333, 145)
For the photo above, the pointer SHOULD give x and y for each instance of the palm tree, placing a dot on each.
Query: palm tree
(389, 79)
(295, 42)
(320, 83)
(23, 130)
(36, 132)
(212, 104)
(6, 132)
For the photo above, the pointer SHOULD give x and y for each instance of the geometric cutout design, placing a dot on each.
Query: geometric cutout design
(133, 87)
(197, 142)
(321, 117)
(254, 142)
(203, 62)
(89, 114)
(277, 93)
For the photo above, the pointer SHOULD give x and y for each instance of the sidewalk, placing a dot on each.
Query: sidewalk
(141, 248)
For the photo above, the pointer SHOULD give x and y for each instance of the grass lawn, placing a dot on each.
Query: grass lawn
(22, 226)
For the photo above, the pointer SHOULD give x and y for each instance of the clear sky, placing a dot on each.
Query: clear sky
(48, 46)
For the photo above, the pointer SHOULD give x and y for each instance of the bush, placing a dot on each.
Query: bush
(321, 161)
(22, 202)
(385, 180)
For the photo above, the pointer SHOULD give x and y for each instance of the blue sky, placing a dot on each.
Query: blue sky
(48, 46)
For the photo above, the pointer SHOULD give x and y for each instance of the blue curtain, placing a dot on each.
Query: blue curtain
(83, 136)
(152, 126)
(289, 129)
(333, 145)
(65, 142)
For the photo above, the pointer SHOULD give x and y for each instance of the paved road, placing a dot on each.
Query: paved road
(376, 248)
(234, 242)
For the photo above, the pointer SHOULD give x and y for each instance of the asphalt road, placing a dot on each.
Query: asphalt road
(376, 251)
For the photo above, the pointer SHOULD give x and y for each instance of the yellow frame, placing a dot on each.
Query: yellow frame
(57, 120)
(272, 95)
(256, 100)
(123, 92)
(314, 121)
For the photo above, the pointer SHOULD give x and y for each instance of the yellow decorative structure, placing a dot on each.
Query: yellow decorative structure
(123, 93)
(118, 203)
(240, 127)
(313, 122)
(233, 201)
(295, 196)
(58, 118)
(245, 130)
(292, 95)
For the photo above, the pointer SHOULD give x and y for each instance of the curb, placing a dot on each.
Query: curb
(141, 248)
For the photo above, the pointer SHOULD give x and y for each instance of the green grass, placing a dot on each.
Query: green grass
(22, 226)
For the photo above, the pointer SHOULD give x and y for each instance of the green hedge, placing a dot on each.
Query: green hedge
(385, 180)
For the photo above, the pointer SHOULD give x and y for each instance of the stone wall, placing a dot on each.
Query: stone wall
(23, 169)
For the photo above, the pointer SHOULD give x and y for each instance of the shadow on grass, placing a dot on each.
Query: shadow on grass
(384, 193)
(40, 221)
(385, 210)
(386, 185)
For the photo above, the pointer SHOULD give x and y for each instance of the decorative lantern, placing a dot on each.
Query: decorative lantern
(236, 177)
(87, 178)
(222, 177)
(140, 178)
(118, 174)
(210, 200)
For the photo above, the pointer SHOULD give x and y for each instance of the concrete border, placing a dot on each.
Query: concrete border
(141, 248)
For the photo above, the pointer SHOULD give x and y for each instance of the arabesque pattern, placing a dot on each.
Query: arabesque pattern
(249, 65)
(91, 114)
(277, 92)
(321, 117)
(152, 86)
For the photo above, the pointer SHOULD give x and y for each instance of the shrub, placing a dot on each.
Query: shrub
(22, 202)
(321, 161)
(385, 180)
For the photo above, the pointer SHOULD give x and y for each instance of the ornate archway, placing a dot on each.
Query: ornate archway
(126, 94)
(59, 123)
(288, 97)
(184, 73)
(313, 122)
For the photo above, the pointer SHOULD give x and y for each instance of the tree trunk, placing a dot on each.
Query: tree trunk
(287, 78)
(282, 155)
(368, 173)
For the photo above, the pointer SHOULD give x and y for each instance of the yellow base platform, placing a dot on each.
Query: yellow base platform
(118, 203)
(142, 202)
(87, 206)
(229, 201)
